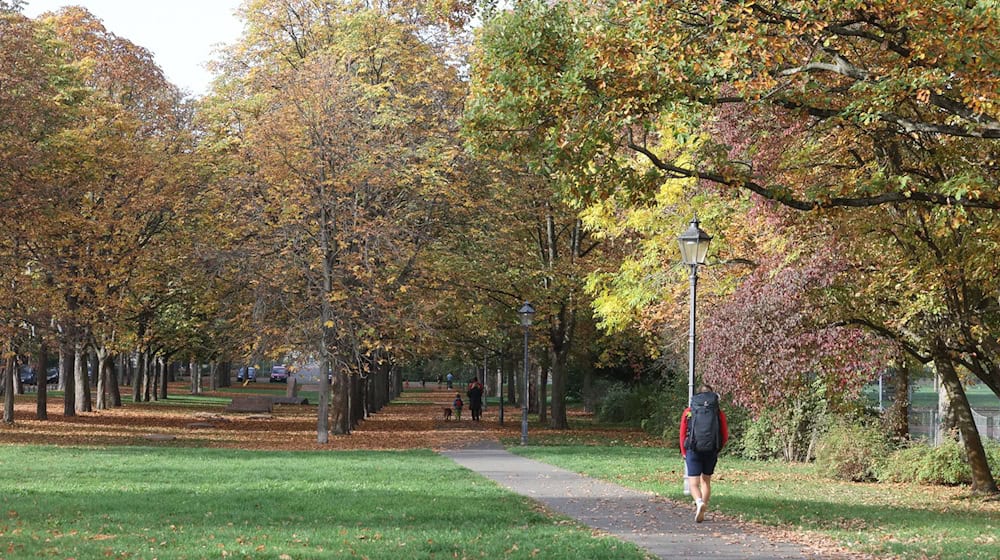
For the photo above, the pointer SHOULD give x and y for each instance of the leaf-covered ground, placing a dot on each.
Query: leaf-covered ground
(413, 421)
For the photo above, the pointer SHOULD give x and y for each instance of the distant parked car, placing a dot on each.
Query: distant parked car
(52, 375)
(247, 372)
(279, 374)
(27, 375)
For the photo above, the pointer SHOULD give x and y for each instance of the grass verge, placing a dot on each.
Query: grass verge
(884, 519)
(137, 502)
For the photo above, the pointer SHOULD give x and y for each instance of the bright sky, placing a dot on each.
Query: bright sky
(181, 34)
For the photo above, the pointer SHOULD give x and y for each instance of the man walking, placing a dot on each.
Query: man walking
(475, 394)
(703, 434)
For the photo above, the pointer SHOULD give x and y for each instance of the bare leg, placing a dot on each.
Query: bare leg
(694, 482)
(705, 489)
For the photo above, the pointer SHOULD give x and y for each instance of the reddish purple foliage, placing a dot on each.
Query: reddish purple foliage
(765, 342)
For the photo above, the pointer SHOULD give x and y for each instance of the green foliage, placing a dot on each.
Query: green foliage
(790, 432)
(624, 404)
(656, 408)
(759, 440)
(852, 452)
(928, 464)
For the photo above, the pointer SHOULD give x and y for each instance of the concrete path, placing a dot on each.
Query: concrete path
(663, 528)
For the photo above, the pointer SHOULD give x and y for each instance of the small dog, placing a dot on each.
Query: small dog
(447, 413)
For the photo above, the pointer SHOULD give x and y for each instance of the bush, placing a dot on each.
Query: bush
(944, 464)
(789, 431)
(621, 404)
(760, 440)
(656, 408)
(850, 451)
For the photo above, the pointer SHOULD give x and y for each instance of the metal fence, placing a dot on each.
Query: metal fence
(926, 424)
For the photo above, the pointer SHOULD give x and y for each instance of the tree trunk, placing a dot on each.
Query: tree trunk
(114, 375)
(897, 417)
(559, 419)
(8, 390)
(80, 380)
(982, 478)
(164, 376)
(588, 385)
(41, 363)
(137, 377)
(195, 370)
(543, 394)
(64, 368)
(101, 374)
(323, 414)
(148, 375)
(67, 377)
(339, 403)
(511, 376)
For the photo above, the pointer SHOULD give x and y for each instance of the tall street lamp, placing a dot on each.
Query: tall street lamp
(694, 247)
(527, 313)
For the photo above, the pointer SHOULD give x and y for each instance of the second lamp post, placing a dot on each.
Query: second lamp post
(527, 313)
(694, 248)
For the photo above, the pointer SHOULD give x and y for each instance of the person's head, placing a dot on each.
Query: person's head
(458, 395)
(705, 388)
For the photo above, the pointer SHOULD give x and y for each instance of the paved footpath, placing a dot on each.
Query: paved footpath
(661, 527)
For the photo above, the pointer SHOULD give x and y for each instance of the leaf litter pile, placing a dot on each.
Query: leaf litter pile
(414, 421)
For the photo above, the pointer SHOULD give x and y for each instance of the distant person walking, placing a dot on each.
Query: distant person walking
(703, 434)
(475, 394)
(457, 405)
(451, 379)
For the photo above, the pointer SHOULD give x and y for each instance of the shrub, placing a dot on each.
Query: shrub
(851, 451)
(944, 464)
(760, 441)
(789, 431)
(621, 404)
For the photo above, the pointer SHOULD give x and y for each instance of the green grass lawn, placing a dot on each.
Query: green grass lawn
(907, 520)
(136, 502)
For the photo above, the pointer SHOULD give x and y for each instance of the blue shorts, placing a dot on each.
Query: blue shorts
(700, 463)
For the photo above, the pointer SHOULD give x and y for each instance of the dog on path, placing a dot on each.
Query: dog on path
(447, 413)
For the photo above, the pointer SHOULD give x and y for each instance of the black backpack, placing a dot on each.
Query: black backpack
(703, 432)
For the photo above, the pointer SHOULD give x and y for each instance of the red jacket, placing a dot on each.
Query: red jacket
(723, 427)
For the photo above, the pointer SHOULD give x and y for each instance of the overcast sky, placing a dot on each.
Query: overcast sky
(181, 34)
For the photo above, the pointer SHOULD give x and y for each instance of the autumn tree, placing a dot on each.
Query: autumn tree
(887, 112)
(344, 111)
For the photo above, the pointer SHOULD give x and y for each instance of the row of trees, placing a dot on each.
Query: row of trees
(98, 173)
(844, 153)
(362, 188)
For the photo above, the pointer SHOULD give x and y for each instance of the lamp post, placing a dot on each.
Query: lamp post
(527, 313)
(694, 247)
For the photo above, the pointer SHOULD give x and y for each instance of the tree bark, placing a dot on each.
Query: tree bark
(114, 385)
(323, 414)
(164, 376)
(340, 423)
(101, 374)
(982, 478)
(138, 377)
(897, 416)
(80, 380)
(67, 376)
(41, 368)
(8, 390)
